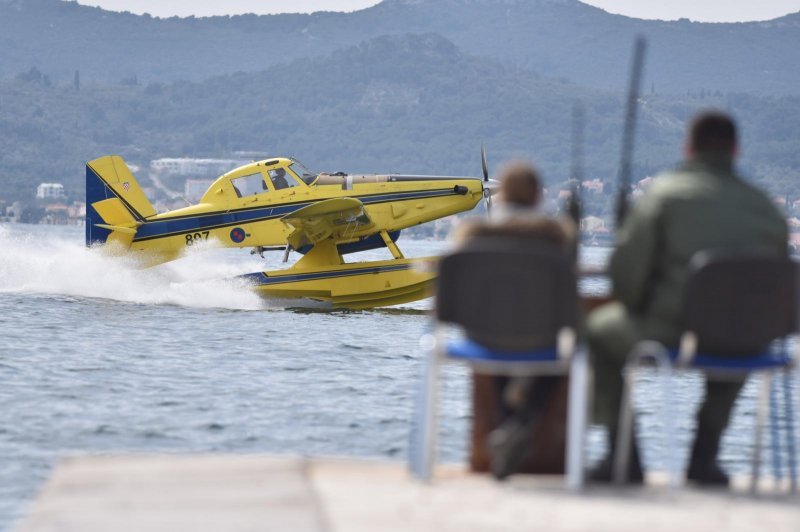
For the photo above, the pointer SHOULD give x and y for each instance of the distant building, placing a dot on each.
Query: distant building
(194, 189)
(50, 191)
(13, 212)
(595, 186)
(646, 182)
(77, 211)
(56, 214)
(593, 224)
(794, 241)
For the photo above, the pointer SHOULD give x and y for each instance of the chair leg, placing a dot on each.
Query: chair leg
(761, 414)
(427, 417)
(668, 415)
(576, 419)
(658, 354)
(775, 436)
(625, 430)
(790, 434)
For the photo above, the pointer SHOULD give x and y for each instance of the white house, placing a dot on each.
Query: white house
(50, 191)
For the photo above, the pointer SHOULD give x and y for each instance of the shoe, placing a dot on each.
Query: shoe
(604, 472)
(703, 466)
(709, 475)
(509, 446)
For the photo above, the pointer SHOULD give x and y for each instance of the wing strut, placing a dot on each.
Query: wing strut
(396, 253)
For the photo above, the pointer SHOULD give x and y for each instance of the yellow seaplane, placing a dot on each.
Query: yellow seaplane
(279, 204)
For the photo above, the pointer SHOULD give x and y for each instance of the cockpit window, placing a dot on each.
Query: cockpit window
(303, 173)
(282, 179)
(249, 185)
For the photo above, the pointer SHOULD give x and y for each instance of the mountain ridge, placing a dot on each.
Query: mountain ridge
(749, 57)
(413, 103)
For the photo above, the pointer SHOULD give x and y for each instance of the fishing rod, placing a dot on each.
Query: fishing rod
(575, 204)
(628, 134)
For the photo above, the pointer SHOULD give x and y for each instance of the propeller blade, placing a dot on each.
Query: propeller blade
(490, 186)
(483, 163)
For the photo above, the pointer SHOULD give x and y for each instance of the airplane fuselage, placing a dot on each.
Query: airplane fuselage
(279, 203)
(392, 202)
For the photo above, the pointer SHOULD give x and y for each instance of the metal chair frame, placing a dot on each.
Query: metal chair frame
(547, 350)
(773, 323)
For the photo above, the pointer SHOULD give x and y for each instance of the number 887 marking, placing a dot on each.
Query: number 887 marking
(191, 238)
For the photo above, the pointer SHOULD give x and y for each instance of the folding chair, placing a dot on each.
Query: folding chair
(516, 301)
(737, 311)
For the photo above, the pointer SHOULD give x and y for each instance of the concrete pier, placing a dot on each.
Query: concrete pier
(236, 493)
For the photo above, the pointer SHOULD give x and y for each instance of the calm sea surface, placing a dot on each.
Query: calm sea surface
(97, 356)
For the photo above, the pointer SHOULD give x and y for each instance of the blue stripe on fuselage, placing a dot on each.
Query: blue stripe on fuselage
(260, 279)
(96, 190)
(170, 227)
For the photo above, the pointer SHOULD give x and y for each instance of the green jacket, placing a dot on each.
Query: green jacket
(701, 206)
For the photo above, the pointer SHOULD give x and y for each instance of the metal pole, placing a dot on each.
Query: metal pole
(574, 205)
(628, 133)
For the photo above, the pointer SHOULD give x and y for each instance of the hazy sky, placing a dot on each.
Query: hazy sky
(702, 10)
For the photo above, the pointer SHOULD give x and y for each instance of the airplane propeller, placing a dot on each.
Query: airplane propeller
(490, 186)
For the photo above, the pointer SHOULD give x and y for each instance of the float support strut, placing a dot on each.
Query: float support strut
(396, 253)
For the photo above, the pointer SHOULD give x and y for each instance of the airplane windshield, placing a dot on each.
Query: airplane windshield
(302, 172)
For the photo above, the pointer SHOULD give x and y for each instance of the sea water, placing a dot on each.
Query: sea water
(98, 355)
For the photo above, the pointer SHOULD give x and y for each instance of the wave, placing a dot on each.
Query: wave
(54, 260)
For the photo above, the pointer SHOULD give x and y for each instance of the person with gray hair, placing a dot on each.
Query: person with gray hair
(523, 399)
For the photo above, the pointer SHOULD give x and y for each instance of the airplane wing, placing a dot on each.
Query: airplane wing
(338, 218)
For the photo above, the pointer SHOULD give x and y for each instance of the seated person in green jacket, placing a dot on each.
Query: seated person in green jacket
(703, 205)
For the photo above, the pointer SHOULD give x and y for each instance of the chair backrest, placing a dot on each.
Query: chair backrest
(508, 293)
(738, 304)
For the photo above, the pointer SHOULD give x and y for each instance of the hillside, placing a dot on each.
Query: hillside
(409, 103)
(555, 38)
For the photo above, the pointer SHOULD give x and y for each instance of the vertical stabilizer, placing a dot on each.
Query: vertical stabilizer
(115, 203)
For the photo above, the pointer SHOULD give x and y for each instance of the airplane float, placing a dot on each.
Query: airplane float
(279, 204)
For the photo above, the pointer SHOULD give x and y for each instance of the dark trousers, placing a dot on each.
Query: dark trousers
(611, 333)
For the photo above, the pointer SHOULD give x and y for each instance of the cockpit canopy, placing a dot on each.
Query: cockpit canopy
(302, 172)
(263, 177)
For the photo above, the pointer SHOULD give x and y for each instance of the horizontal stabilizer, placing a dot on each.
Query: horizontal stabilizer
(114, 212)
(126, 230)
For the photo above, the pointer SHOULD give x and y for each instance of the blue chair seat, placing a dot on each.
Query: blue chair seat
(466, 349)
(761, 361)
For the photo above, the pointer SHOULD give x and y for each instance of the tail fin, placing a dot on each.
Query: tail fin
(115, 203)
